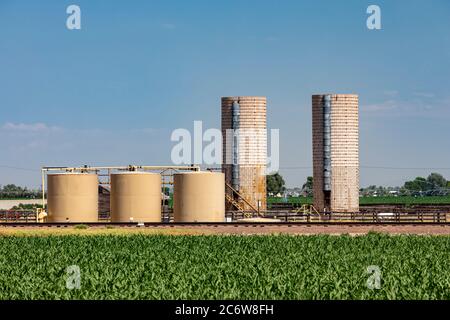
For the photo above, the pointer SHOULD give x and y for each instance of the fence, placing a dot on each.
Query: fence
(17, 216)
(374, 217)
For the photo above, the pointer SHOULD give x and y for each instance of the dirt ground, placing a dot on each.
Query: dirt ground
(232, 229)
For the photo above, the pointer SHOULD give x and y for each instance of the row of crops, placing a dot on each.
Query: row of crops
(225, 267)
(406, 200)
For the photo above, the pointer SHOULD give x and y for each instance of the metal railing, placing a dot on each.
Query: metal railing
(18, 215)
(374, 217)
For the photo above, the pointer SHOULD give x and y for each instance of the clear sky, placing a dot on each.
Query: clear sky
(112, 92)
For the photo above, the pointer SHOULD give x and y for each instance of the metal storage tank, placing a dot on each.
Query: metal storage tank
(72, 197)
(335, 152)
(244, 132)
(199, 197)
(135, 196)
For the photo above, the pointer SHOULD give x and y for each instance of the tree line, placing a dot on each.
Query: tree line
(11, 191)
(433, 185)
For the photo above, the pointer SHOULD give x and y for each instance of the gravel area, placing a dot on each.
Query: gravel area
(234, 229)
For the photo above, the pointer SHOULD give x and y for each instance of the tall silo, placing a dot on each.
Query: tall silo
(335, 152)
(244, 132)
(72, 197)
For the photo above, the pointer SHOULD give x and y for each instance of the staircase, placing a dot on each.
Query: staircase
(235, 204)
(307, 209)
(233, 200)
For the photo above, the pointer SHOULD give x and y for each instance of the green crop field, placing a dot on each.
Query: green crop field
(224, 267)
(300, 200)
(406, 200)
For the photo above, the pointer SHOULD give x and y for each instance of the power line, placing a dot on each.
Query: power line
(18, 168)
(286, 168)
(405, 168)
(375, 167)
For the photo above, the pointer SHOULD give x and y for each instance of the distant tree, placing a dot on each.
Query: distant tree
(432, 182)
(418, 184)
(22, 206)
(308, 186)
(381, 191)
(12, 188)
(13, 191)
(275, 183)
(436, 181)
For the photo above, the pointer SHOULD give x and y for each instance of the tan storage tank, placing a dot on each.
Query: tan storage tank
(72, 197)
(199, 197)
(135, 197)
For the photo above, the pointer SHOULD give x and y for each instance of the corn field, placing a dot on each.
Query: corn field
(374, 266)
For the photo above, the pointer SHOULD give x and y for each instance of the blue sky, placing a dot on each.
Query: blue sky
(112, 92)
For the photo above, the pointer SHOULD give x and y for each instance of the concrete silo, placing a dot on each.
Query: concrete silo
(244, 132)
(335, 152)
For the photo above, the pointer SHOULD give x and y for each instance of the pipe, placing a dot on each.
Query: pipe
(71, 169)
(235, 150)
(327, 142)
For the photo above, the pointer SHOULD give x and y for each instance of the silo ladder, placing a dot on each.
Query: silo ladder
(232, 199)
